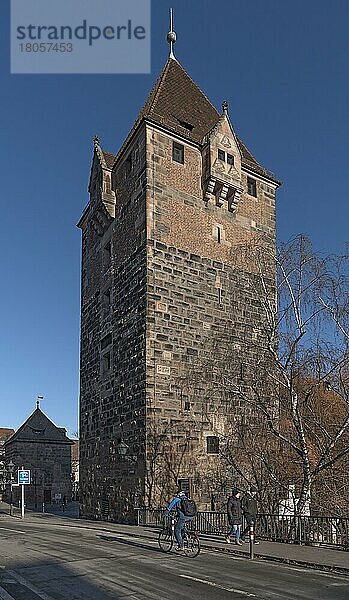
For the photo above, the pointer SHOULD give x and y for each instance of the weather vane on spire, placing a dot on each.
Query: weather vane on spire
(171, 36)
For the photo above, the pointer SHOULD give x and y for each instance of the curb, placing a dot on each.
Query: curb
(279, 559)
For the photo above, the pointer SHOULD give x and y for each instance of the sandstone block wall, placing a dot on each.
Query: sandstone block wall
(112, 386)
(168, 305)
(204, 315)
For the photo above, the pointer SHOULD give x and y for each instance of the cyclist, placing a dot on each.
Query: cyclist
(183, 505)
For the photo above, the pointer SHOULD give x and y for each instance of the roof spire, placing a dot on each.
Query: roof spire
(171, 36)
(38, 401)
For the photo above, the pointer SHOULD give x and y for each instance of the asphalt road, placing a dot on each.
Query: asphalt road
(50, 559)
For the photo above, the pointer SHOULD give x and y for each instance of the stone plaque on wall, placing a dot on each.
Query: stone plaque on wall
(161, 306)
(163, 370)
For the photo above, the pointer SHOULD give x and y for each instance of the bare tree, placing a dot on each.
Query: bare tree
(281, 373)
(271, 382)
(303, 352)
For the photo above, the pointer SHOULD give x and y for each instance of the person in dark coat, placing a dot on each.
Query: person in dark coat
(234, 516)
(249, 509)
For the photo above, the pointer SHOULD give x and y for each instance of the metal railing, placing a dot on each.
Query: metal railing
(329, 531)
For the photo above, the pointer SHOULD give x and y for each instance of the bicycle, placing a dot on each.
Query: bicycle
(167, 538)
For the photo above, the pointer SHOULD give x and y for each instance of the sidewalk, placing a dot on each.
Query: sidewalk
(5, 510)
(331, 559)
(71, 511)
(321, 558)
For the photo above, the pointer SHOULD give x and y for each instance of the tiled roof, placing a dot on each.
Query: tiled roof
(5, 433)
(177, 103)
(39, 428)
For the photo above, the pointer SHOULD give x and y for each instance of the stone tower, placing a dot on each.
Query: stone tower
(160, 291)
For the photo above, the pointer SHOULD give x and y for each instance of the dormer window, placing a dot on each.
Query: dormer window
(230, 159)
(178, 153)
(221, 155)
(186, 125)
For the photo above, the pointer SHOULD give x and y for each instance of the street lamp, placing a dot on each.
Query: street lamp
(122, 448)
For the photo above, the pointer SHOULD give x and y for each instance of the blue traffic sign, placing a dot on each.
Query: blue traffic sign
(24, 477)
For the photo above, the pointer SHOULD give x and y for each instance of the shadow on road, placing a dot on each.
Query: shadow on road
(109, 538)
(71, 511)
(56, 581)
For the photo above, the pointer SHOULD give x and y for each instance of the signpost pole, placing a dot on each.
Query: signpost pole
(251, 540)
(23, 479)
(22, 502)
(11, 497)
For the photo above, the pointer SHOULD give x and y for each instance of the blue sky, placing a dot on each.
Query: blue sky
(284, 69)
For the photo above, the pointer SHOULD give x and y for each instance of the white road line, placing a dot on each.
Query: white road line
(4, 595)
(221, 587)
(12, 530)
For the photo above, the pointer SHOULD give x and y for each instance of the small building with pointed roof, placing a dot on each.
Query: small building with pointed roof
(165, 304)
(45, 449)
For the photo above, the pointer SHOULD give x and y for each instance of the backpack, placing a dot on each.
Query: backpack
(188, 507)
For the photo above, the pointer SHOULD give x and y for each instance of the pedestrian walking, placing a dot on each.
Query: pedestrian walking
(234, 516)
(64, 503)
(249, 510)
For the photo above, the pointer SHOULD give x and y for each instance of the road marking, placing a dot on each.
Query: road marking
(4, 595)
(221, 587)
(12, 530)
